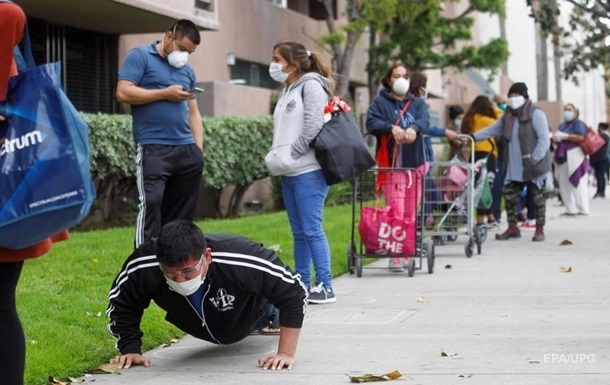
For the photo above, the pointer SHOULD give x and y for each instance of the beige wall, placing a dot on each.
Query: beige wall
(224, 99)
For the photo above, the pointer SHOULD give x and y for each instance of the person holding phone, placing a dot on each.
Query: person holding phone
(160, 86)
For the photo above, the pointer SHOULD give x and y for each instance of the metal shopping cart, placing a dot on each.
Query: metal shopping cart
(453, 190)
(386, 220)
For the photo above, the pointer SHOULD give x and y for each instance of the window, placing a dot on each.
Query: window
(206, 5)
(252, 74)
(88, 62)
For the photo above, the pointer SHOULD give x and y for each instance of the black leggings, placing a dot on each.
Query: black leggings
(12, 339)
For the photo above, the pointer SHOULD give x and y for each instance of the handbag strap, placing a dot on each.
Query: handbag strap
(402, 112)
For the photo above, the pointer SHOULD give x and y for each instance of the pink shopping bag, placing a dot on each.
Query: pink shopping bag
(383, 232)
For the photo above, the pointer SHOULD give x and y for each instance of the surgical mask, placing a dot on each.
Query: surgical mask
(187, 287)
(516, 102)
(276, 73)
(401, 86)
(178, 59)
(458, 123)
(568, 116)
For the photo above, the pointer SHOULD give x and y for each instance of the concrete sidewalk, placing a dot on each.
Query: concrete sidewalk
(510, 316)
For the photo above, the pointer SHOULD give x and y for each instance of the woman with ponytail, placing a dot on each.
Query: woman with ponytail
(298, 118)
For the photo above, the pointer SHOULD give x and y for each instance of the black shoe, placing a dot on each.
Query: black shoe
(320, 294)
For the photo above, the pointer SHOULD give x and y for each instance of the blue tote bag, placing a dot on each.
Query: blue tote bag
(45, 179)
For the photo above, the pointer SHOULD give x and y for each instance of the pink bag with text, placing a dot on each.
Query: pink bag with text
(383, 232)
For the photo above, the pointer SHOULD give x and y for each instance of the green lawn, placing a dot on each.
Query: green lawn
(62, 296)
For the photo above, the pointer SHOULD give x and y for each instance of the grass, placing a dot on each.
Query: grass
(62, 297)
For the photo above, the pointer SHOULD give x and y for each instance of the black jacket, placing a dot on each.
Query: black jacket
(241, 279)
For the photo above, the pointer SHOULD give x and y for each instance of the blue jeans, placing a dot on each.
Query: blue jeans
(304, 196)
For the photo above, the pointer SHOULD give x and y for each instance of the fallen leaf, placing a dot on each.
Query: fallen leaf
(565, 242)
(372, 378)
(169, 343)
(55, 381)
(465, 375)
(448, 266)
(421, 299)
(105, 369)
(76, 380)
(534, 361)
(564, 269)
(445, 354)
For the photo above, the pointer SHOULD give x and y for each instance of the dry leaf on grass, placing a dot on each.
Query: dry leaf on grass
(55, 381)
(446, 354)
(565, 242)
(373, 378)
(421, 299)
(564, 269)
(106, 369)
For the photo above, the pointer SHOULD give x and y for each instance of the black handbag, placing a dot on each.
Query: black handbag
(340, 147)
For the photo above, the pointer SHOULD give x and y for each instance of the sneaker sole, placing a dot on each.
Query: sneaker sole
(322, 301)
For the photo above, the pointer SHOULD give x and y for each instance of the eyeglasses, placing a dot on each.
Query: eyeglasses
(187, 273)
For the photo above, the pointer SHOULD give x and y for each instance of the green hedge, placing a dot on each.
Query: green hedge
(235, 148)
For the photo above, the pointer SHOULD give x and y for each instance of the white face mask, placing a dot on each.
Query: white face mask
(276, 73)
(516, 102)
(401, 86)
(187, 287)
(178, 59)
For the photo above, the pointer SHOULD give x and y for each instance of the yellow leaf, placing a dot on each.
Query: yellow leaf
(106, 369)
(373, 378)
(421, 299)
(55, 381)
(564, 269)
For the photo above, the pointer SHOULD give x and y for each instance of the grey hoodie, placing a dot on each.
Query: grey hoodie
(297, 119)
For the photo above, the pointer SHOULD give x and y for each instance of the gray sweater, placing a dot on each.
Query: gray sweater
(298, 118)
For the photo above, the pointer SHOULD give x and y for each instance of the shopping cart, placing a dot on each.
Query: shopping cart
(386, 220)
(453, 190)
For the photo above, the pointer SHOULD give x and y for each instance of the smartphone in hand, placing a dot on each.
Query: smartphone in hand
(195, 91)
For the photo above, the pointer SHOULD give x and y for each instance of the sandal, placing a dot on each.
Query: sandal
(268, 331)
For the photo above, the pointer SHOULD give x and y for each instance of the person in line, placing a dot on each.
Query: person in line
(571, 164)
(498, 182)
(599, 161)
(12, 339)
(215, 287)
(482, 113)
(418, 88)
(298, 118)
(456, 117)
(527, 157)
(398, 119)
(155, 80)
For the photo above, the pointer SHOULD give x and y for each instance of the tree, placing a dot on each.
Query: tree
(422, 38)
(412, 31)
(583, 45)
(342, 39)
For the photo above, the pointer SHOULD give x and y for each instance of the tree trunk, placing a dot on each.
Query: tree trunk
(557, 66)
(542, 69)
(503, 35)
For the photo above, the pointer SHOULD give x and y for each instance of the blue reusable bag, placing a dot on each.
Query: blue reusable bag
(45, 179)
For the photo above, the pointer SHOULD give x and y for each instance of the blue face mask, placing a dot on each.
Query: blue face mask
(458, 123)
(568, 116)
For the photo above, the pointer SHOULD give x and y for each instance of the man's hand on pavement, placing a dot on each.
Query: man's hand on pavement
(277, 362)
(126, 360)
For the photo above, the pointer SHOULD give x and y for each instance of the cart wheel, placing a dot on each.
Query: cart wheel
(482, 235)
(358, 267)
(469, 247)
(430, 256)
(436, 239)
(452, 238)
(411, 267)
(351, 250)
